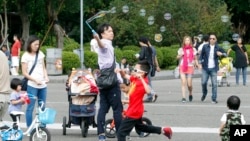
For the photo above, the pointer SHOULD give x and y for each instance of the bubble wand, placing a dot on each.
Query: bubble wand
(98, 15)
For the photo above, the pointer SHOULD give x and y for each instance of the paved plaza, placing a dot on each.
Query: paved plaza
(190, 121)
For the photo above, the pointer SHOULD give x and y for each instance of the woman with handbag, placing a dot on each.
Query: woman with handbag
(33, 69)
(241, 60)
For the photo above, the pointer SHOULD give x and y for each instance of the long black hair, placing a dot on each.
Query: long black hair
(31, 39)
(146, 41)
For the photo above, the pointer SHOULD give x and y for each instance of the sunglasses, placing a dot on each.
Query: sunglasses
(212, 39)
(138, 70)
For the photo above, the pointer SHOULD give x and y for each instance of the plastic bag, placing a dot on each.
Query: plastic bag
(176, 72)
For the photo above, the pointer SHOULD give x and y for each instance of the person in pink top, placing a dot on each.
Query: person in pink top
(187, 62)
(15, 52)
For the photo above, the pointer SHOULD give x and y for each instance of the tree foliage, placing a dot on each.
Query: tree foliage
(240, 11)
(189, 17)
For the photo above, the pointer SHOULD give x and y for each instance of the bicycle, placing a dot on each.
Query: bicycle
(37, 131)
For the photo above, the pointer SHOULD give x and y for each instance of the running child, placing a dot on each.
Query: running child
(138, 87)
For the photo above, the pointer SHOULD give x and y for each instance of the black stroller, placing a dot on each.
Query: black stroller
(82, 94)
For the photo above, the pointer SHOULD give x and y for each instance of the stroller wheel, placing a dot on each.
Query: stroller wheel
(84, 128)
(64, 125)
(145, 121)
(109, 128)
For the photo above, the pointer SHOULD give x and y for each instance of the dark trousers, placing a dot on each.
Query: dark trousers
(14, 117)
(109, 98)
(128, 124)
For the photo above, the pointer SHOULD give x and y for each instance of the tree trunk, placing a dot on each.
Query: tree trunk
(21, 4)
(59, 35)
(53, 16)
(4, 26)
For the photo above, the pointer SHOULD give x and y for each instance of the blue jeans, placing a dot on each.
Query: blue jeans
(244, 75)
(40, 94)
(109, 98)
(212, 73)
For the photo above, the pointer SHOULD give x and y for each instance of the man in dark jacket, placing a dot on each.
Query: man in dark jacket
(209, 56)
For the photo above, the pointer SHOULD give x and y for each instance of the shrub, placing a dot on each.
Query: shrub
(44, 49)
(90, 59)
(70, 45)
(86, 46)
(130, 56)
(169, 57)
(118, 54)
(134, 48)
(70, 60)
(160, 58)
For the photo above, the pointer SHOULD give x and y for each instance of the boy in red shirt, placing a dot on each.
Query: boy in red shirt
(138, 87)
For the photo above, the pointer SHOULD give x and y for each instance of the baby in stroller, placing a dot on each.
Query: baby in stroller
(225, 67)
(82, 93)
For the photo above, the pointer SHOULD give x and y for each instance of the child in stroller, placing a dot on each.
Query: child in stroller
(225, 67)
(82, 93)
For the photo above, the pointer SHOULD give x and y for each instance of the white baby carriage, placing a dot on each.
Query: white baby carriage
(225, 67)
(82, 93)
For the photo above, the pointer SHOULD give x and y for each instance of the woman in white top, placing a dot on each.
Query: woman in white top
(38, 79)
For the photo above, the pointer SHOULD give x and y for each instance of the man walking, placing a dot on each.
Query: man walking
(209, 56)
(110, 97)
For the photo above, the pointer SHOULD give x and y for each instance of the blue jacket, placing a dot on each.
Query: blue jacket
(205, 55)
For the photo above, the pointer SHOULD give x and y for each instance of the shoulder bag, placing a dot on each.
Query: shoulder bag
(25, 80)
(107, 78)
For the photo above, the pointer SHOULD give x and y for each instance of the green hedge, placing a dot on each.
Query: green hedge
(90, 59)
(169, 57)
(70, 60)
(70, 45)
(134, 48)
(130, 56)
(166, 56)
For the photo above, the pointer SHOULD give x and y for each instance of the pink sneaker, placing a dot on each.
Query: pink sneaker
(167, 131)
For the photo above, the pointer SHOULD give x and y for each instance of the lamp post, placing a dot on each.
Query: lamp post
(224, 18)
(81, 35)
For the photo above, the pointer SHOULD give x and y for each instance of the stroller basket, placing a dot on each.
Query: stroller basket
(47, 116)
(82, 110)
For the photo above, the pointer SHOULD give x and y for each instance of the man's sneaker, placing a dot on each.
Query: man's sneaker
(214, 101)
(155, 96)
(167, 131)
(203, 98)
(147, 100)
(102, 138)
(183, 100)
(190, 98)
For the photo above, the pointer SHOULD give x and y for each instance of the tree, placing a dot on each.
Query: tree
(240, 11)
(23, 7)
(4, 23)
(188, 17)
(53, 9)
